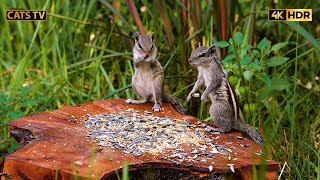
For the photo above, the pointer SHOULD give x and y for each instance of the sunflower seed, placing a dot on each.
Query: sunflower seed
(210, 168)
(232, 168)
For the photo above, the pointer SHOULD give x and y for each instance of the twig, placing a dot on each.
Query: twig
(134, 13)
(166, 24)
(282, 169)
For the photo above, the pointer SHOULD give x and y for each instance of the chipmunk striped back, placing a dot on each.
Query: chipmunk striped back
(224, 109)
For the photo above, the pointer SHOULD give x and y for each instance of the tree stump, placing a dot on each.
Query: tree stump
(54, 145)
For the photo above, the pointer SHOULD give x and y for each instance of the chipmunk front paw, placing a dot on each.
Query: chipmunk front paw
(203, 98)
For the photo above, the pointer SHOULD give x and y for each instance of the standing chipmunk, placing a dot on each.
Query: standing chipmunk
(224, 109)
(148, 78)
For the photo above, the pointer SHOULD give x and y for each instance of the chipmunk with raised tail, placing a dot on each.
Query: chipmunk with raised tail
(224, 109)
(148, 78)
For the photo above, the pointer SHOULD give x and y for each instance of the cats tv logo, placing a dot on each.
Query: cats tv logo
(290, 14)
(26, 15)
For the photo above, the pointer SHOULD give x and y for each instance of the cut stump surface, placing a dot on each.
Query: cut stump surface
(55, 144)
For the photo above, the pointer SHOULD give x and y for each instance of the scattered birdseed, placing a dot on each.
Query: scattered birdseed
(232, 168)
(194, 152)
(139, 134)
(239, 137)
(245, 145)
(210, 168)
(259, 153)
(196, 95)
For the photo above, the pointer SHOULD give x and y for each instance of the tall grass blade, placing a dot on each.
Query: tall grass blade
(303, 32)
(249, 30)
(109, 6)
(125, 171)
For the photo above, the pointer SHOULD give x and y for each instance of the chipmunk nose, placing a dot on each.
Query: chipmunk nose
(146, 56)
(189, 60)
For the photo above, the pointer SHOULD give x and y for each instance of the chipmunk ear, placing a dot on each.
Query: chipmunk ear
(152, 36)
(211, 51)
(136, 39)
(199, 44)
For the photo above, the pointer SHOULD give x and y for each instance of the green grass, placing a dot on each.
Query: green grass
(83, 53)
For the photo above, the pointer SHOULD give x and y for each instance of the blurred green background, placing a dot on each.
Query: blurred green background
(83, 53)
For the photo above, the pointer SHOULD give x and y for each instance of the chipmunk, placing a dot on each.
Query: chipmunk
(148, 78)
(224, 109)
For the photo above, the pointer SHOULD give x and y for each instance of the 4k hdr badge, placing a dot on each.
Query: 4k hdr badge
(290, 14)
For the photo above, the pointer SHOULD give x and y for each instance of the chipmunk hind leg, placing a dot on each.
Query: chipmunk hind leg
(157, 96)
(157, 88)
(144, 99)
(220, 116)
(133, 101)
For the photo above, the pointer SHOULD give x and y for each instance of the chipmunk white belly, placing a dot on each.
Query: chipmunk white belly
(143, 81)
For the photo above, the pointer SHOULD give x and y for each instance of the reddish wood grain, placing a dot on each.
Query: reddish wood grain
(57, 146)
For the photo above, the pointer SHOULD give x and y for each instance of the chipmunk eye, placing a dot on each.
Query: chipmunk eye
(202, 55)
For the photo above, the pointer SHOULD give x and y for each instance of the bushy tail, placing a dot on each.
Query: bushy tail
(250, 131)
(176, 102)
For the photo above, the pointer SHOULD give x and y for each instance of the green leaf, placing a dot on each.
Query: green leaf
(230, 41)
(247, 74)
(255, 65)
(229, 57)
(263, 43)
(245, 60)
(221, 44)
(276, 61)
(263, 94)
(254, 52)
(238, 38)
(13, 146)
(265, 79)
(230, 49)
(278, 46)
(246, 47)
(279, 84)
(268, 46)
(268, 52)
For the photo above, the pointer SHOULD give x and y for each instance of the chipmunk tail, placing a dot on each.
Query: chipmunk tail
(175, 102)
(251, 132)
